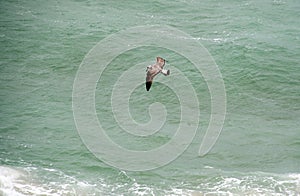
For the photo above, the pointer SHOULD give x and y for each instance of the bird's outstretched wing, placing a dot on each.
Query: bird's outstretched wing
(160, 62)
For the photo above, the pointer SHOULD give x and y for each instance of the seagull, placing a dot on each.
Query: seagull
(153, 70)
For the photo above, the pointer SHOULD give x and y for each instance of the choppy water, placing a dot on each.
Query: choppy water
(256, 45)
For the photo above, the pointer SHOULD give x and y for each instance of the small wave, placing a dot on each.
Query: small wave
(23, 182)
(52, 182)
(258, 183)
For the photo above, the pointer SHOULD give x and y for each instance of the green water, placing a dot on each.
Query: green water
(256, 45)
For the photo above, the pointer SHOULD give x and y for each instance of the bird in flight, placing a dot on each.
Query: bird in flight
(153, 70)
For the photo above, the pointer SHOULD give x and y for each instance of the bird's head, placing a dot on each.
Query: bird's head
(148, 67)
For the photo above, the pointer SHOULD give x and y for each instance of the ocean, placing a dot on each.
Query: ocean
(76, 118)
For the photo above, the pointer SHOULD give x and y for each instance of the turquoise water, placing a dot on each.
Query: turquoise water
(255, 44)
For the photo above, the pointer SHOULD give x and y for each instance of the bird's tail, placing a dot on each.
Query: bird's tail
(165, 72)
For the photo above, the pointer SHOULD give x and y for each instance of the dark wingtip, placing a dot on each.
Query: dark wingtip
(148, 85)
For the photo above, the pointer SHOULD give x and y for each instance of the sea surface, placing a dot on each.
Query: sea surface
(256, 45)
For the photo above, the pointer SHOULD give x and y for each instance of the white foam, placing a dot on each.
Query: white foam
(8, 178)
(258, 183)
(51, 182)
(17, 182)
(21, 182)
